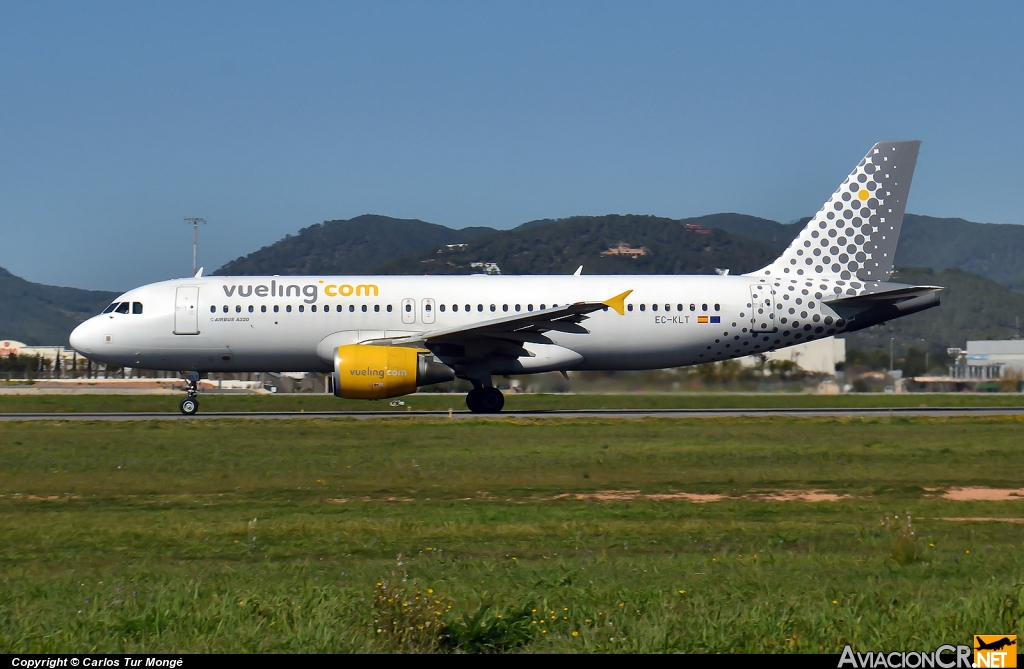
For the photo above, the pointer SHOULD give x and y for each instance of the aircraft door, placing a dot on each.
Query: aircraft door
(762, 308)
(428, 310)
(408, 310)
(186, 310)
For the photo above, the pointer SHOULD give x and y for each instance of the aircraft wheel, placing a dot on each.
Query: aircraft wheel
(189, 406)
(473, 400)
(491, 400)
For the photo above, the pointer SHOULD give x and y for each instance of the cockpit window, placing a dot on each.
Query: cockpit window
(113, 305)
(122, 308)
(136, 307)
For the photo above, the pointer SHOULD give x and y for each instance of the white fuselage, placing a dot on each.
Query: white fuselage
(293, 323)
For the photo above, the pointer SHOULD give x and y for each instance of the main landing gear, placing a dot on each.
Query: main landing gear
(485, 400)
(190, 405)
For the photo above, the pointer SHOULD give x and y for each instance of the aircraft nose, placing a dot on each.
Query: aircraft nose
(81, 338)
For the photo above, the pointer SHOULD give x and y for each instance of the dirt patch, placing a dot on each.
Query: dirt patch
(984, 494)
(697, 498)
(685, 496)
(1019, 521)
(337, 501)
(802, 496)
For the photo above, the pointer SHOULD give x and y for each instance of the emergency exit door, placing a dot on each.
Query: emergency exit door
(408, 310)
(186, 310)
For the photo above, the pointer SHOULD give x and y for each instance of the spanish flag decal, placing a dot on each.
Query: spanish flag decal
(702, 319)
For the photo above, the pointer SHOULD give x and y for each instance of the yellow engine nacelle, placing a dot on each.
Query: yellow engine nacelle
(366, 372)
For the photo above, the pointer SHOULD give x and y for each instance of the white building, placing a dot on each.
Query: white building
(820, 355)
(989, 359)
(11, 347)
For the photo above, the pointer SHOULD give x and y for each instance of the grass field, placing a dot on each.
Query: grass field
(525, 402)
(515, 534)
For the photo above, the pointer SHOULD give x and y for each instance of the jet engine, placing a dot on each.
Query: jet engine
(368, 372)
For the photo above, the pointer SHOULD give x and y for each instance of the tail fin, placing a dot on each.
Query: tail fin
(855, 233)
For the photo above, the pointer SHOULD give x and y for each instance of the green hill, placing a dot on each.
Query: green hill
(353, 246)
(39, 315)
(973, 307)
(991, 250)
(661, 245)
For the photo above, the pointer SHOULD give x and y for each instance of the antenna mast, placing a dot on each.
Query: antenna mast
(195, 239)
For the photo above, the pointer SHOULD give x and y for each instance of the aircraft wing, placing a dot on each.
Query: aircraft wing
(524, 327)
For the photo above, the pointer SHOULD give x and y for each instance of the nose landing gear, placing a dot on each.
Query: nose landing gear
(190, 405)
(485, 400)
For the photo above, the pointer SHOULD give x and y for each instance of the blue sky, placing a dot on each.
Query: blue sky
(117, 120)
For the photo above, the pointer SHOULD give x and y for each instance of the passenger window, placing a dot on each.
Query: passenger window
(441, 308)
(718, 307)
(238, 308)
(376, 308)
(494, 308)
(517, 307)
(529, 307)
(426, 307)
(668, 307)
(288, 308)
(703, 307)
(654, 307)
(389, 308)
(225, 309)
(643, 307)
(113, 305)
(122, 308)
(408, 308)
(504, 307)
(263, 308)
(455, 307)
(313, 308)
(542, 307)
(213, 309)
(351, 308)
(136, 307)
(469, 307)
(479, 307)
(301, 308)
(364, 308)
(693, 307)
(250, 309)
(338, 308)
(276, 308)
(629, 307)
(679, 307)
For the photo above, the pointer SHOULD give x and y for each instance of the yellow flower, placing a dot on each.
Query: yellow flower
(932, 545)
(834, 601)
(587, 620)
(682, 592)
(430, 591)
(575, 633)
(543, 631)
(968, 552)
(622, 603)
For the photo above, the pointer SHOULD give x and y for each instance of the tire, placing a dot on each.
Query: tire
(189, 406)
(491, 400)
(473, 401)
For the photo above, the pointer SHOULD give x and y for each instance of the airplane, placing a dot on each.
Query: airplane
(385, 336)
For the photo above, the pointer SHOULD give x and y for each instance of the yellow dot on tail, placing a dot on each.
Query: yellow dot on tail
(863, 194)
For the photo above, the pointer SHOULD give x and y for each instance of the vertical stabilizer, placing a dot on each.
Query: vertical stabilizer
(854, 235)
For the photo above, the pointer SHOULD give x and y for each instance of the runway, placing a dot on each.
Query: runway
(562, 413)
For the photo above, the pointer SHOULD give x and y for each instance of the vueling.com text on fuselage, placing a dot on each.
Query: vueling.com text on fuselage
(308, 292)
